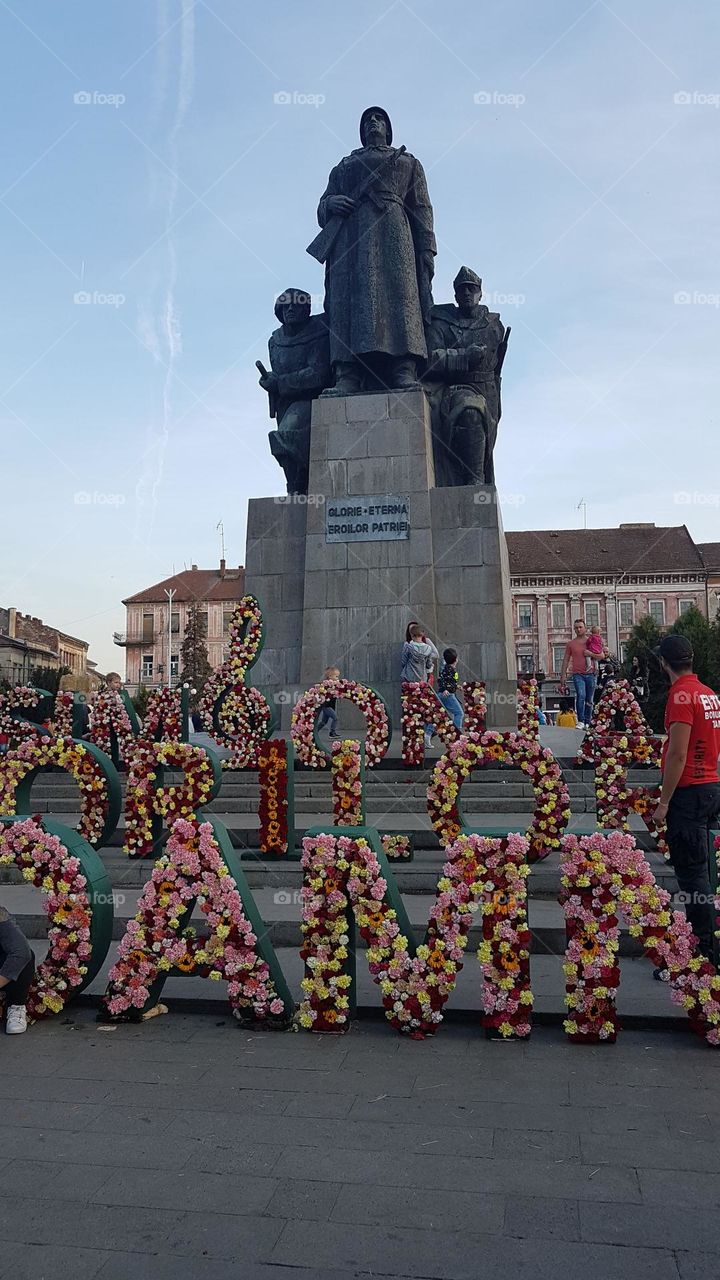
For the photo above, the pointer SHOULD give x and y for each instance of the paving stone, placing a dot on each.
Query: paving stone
(696, 1266)
(147, 1266)
(185, 1188)
(542, 1217)
(465, 1256)
(536, 1144)
(319, 1105)
(48, 1262)
(156, 1152)
(391, 1206)
(648, 1151)
(689, 1190)
(665, 1226)
(306, 1200)
(53, 1179)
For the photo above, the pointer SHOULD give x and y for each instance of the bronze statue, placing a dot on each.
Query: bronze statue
(299, 370)
(378, 246)
(467, 345)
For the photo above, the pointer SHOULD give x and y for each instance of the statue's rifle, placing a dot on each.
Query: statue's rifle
(272, 398)
(321, 246)
(502, 350)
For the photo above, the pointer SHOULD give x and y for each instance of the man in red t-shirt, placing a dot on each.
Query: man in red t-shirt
(690, 796)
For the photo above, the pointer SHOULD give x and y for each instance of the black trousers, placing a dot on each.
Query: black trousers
(692, 813)
(16, 992)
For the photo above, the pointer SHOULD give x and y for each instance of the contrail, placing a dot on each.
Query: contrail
(167, 334)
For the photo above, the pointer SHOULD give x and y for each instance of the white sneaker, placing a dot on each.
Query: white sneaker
(16, 1020)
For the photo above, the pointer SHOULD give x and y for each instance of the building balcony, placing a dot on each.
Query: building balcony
(123, 639)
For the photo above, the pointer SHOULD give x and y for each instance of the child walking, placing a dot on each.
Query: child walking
(448, 685)
(17, 969)
(328, 712)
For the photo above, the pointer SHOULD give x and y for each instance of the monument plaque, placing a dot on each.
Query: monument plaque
(375, 519)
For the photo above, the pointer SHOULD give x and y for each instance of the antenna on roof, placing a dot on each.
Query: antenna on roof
(221, 527)
(582, 503)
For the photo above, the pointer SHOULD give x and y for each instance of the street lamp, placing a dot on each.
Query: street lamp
(170, 592)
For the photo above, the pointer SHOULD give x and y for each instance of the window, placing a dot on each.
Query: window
(656, 609)
(147, 628)
(525, 663)
(147, 666)
(558, 615)
(592, 613)
(525, 616)
(623, 652)
(558, 653)
(227, 619)
(684, 605)
(174, 670)
(626, 613)
(175, 622)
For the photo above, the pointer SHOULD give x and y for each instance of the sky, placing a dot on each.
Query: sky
(160, 167)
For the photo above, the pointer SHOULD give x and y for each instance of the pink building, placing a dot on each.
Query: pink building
(156, 627)
(608, 577)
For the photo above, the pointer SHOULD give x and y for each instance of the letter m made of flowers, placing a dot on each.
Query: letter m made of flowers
(348, 882)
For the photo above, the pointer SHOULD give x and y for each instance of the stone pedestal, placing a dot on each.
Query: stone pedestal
(347, 603)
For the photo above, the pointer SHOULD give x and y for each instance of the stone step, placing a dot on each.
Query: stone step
(640, 1000)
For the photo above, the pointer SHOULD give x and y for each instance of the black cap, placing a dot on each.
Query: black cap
(676, 650)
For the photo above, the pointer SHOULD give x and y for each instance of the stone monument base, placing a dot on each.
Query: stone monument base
(340, 577)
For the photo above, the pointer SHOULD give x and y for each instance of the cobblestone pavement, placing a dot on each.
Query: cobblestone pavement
(187, 1147)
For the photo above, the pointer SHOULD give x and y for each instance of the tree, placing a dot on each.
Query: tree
(140, 700)
(194, 663)
(705, 640)
(48, 678)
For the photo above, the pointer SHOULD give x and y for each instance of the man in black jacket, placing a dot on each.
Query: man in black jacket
(17, 969)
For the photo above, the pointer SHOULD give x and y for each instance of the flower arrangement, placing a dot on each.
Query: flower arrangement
(615, 800)
(348, 788)
(62, 724)
(397, 847)
(527, 707)
(275, 810)
(603, 875)
(14, 730)
(238, 716)
(111, 728)
(475, 704)
(47, 863)
(306, 710)
(617, 697)
(149, 806)
(98, 783)
(420, 707)
(155, 944)
(343, 874)
(166, 715)
(472, 751)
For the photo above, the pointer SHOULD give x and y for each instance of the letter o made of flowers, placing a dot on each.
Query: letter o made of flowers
(470, 752)
(94, 772)
(305, 713)
(78, 905)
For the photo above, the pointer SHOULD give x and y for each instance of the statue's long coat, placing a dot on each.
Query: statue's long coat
(373, 281)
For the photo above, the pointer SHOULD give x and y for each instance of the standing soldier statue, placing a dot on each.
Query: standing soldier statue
(467, 345)
(378, 247)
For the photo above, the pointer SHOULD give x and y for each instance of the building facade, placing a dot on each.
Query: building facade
(608, 577)
(156, 621)
(710, 552)
(27, 642)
